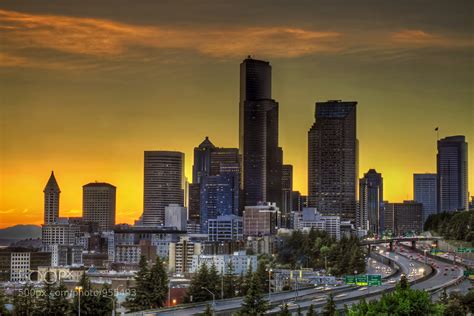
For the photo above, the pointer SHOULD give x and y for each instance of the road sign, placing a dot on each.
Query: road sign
(465, 250)
(361, 280)
(469, 273)
(374, 279)
(435, 251)
(350, 279)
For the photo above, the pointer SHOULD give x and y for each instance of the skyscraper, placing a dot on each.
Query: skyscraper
(287, 190)
(258, 134)
(98, 204)
(370, 212)
(202, 160)
(333, 159)
(425, 192)
(163, 184)
(452, 174)
(51, 200)
(403, 218)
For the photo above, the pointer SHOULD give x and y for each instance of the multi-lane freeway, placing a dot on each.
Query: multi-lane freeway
(424, 273)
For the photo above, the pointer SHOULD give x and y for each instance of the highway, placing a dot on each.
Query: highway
(411, 264)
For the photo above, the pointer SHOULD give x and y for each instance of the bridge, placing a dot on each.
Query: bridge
(390, 241)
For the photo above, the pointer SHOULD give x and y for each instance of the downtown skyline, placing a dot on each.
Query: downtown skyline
(101, 131)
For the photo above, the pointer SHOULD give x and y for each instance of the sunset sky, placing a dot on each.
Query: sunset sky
(86, 86)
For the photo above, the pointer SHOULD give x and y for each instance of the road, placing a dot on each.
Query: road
(413, 267)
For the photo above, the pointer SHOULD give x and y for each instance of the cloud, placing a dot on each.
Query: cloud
(420, 38)
(110, 39)
(7, 211)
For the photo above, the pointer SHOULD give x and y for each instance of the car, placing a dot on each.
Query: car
(319, 299)
(363, 288)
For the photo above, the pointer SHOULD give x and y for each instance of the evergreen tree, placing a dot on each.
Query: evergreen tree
(3, 302)
(45, 300)
(311, 311)
(104, 302)
(141, 298)
(60, 303)
(159, 284)
(214, 281)
(262, 275)
(284, 311)
(254, 302)
(196, 291)
(240, 285)
(330, 307)
(25, 301)
(247, 280)
(84, 295)
(403, 284)
(208, 311)
(230, 287)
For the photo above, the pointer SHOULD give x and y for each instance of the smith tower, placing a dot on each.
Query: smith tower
(51, 200)
(258, 134)
(333, 159)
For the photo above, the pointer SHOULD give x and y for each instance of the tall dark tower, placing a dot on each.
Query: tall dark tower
(452, 160)
(51, 200)
(258, 136)
(333, 159)
(370, 216)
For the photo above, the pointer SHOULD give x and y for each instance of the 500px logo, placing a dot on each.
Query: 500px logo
(49, 277)
(72, 293)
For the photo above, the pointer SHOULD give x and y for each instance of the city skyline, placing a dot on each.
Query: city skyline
(101, 136)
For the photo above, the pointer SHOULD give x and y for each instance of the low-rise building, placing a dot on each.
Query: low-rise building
(239, 260)
(225, 228)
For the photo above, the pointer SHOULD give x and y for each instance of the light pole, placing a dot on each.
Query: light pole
(79, 289)
(213, 300)
(425, 254)
(113, 303)
(269, 284)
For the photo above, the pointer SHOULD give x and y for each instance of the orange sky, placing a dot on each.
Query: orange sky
(85, 92)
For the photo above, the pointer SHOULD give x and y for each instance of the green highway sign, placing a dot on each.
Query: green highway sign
(350, 279)
(361, 280)
(435, 251)
(465, 250)
(469, 273)
(374, 279)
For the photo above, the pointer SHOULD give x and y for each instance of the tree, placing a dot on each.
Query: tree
(3, 302)
(311, 311)
(254, 303)
(196, 291)
(284, 311)
(45, 300)
(25, 301)
(60, 302)
(262, 275)
(208, 311)
(159, 284)
(83, 298)
(403, 284)
(230, 287)
(141, 297)
(330, 307)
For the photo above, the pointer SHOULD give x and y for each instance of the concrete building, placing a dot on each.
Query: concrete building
(239, 260)
(98, 204)
(51, 200)
(21, 264)
(226, 227)
(404, 218)
(333, 159)
(261, 220)
(425, 192)
(370, 211)
(311, 218)
(452, 170)
(258, 134)
(176, 216)
(181, 255)
(61, 233)
(287, 194)
(163, 184)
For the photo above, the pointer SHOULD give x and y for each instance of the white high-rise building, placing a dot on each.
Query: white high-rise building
(240, 262)
(311, 218)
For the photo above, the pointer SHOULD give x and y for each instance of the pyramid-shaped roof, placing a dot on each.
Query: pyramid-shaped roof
(206, 143)
(52, 183)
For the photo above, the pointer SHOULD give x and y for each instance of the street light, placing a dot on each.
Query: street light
(269, 283)
(113, 303)
(79, 289)
(213, 299)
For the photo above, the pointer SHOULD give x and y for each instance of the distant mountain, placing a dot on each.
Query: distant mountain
(19, 232)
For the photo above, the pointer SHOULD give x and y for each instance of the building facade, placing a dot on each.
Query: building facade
(261, 220)
(225, 228)
(176, 216)
(452, 170)
(370, 211)
(425, 192)
(333, 159)
(239, 260)
(262, 159)
(404, 218)
(163, 184)
(98, 204)
(287, 194)
(51, 200)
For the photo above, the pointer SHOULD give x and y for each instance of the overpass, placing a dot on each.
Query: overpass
(390, 241)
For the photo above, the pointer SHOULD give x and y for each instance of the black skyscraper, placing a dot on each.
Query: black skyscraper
(452, 174)
(261, 157)
(332, 159)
